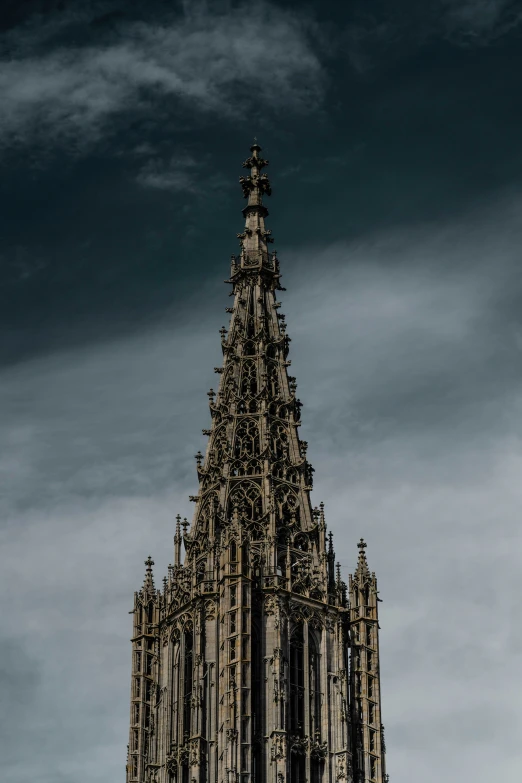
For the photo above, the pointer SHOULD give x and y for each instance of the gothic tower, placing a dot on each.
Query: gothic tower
(255, 663)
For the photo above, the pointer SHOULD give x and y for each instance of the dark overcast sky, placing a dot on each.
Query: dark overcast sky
(393, 130)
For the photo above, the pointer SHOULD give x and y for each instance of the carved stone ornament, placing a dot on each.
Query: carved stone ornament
(318, 750)
(278, 747)
(299, 745)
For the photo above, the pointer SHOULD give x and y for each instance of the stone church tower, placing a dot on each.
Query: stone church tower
(255, 663)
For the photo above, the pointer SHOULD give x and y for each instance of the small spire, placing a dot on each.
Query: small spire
(177, 542)
(330, 543)
(362, 564)
(148, 582)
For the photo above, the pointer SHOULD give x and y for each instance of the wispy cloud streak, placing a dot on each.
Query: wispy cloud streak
(218, 62)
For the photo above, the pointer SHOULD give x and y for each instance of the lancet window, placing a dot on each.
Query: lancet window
(249, 378)
(246, 442)
(279, 440)
(272, 379)
(246, 496)
(286, 505)
(297, 690)
(249, 348)
(188, 648)
(315, 687)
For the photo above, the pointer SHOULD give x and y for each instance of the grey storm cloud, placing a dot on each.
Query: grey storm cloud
(425, 464)
(206, 57)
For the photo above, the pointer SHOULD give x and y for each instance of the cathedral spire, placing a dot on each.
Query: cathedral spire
(241, 665)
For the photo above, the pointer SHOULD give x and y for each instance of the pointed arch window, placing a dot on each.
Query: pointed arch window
(272, 377)
(246, 442)
(247, 497)
(249, 379)
(286, 503)
(279, 440)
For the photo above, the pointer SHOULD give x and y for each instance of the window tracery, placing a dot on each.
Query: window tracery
(246, 442)
(272, 377)
(220, 446)
(279, 440)
(286, 505)
(247, 498)
(252, 467)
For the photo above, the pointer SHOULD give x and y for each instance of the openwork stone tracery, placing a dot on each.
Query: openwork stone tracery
(256, 662)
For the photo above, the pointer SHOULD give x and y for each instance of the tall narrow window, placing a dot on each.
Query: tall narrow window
(233, 595)
(187, 681)
(314, 686)
(370, 687)
(297, 682)
(232, 622)
(369, 635)
(257, 725)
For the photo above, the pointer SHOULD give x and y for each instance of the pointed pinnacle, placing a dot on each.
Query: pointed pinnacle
(148, 582)
(362, 564)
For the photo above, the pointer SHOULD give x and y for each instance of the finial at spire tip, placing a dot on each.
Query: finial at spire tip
(362, 545)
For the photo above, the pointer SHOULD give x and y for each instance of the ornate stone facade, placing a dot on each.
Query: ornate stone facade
(255, 663)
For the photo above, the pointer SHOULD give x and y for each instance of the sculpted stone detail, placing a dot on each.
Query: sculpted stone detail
(341, 768)
(241, 662)
(278, 747)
